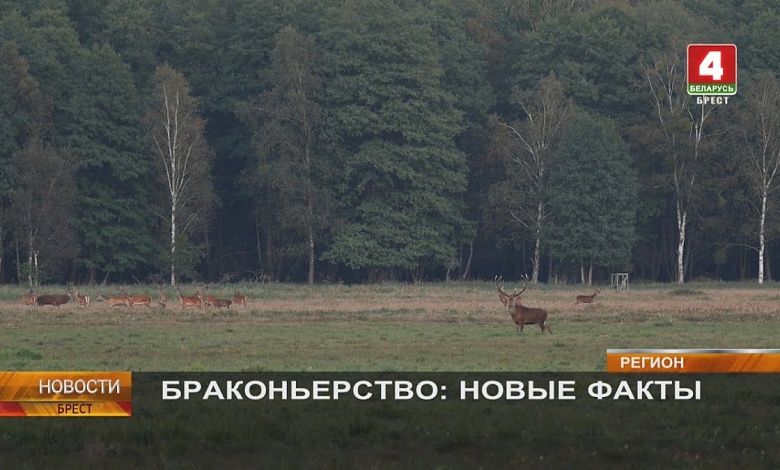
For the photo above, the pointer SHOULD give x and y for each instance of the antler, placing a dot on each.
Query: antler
(525, 284)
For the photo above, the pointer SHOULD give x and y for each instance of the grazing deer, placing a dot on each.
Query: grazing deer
(29, 298)
(113, 301)
(521, 314)
(219, 303)
(587, 299)
(133, 300)
(239, 299)
(162, 300)
(191, 301)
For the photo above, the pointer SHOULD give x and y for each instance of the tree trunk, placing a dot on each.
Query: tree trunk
(682, 221)
(761, 240)
(590, 274)
(311, 256)
(538, 244)
(173, 245)
(468, 263)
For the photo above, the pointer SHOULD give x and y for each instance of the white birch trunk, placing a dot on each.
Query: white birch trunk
(538, 245)
(761, 240)
(682, 222)
(173, 244)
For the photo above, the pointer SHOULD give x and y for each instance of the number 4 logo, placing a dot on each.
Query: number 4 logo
(712, 69)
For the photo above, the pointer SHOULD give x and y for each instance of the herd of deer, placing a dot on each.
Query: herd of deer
(523, 315)
(123, 299)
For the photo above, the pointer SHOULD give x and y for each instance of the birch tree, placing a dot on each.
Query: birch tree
(527, 147)
(760, 124)
(176, 133)
(682, 127)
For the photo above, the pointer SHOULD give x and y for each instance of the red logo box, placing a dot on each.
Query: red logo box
(712, 69)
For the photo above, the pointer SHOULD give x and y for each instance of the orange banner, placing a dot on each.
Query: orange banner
(66, 393)
(693, 360)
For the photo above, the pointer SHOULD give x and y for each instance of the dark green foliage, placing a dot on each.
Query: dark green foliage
(393, 126)
(407, 163)
(593, 196)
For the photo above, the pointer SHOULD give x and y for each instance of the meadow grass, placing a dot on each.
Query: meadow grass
(397, 328)
(386, 327)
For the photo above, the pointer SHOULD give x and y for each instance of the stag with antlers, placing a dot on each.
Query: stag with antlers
(521, 314)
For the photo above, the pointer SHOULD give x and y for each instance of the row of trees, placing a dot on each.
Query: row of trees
(366, 140)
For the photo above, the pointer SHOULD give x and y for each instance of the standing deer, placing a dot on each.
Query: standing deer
(53, 299)
(191, 301)
(133, 300)
(29, 298)
(239, 299)
(521, 314)
(208, 300)
(81, 300)
(113, 301)
(587, 299)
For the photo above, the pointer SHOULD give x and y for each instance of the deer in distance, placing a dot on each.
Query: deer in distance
(239, 299)
(521, 314)
(208, 300)
(191, 301)
(113, 301)
(29, 298)
(587, 299)
(133, 300)
(81, 300)
(53, 299)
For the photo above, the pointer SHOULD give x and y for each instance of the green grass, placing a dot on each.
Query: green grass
(398, 328)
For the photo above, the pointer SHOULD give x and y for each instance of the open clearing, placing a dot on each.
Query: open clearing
(394, 327)
(385, 327)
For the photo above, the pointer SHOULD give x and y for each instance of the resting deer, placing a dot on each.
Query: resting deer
(29, 298)
(521, 314)
(239, 299)
(587, 299)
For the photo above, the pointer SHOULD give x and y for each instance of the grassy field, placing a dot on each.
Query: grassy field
(398, 328)
(393, 327)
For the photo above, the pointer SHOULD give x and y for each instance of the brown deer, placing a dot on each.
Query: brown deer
(587, 299)
(81, 300)
(219, 303)
(239, 299)
(29, 298)
(502, 296)
(133, 300)
(191, 301)
(208, 300)
(53, 299)
(113, 301)
(521, 314)
(162, 300)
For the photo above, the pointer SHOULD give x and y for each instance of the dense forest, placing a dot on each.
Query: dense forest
(372, 140)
